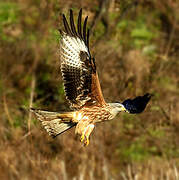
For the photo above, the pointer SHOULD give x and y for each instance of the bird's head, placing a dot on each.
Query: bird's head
(119, 107)
(132, 106)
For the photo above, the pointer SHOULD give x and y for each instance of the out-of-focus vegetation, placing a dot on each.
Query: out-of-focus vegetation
(135, 54)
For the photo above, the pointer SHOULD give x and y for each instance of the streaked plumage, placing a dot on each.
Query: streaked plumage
(82, 87)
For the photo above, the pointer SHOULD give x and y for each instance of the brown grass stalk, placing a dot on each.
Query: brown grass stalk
(33, 82)
(6, 110)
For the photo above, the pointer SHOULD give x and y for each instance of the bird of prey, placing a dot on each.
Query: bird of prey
(82, 87)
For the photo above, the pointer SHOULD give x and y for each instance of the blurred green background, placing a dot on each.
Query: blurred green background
(136, 52)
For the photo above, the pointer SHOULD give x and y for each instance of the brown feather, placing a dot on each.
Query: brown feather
(96, 90)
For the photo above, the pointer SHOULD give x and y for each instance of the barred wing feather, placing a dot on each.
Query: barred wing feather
(77, 66)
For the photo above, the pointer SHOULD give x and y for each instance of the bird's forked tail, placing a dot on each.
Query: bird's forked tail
(55, 123)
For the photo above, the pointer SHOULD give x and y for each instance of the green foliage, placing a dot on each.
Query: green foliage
(54, 35)
(113, 16)
(140, 33)
(170, 151)
(99, 30)
(61, 90)
(8, 13)
(167, 83)
(32, 17)
(141, 36)
(9, 16)
(122, 25)
(156, 133)
(1, 86)
(130, 120)
(136, 151)
(18, 121)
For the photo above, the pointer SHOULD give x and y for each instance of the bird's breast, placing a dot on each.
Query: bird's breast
(96, 113)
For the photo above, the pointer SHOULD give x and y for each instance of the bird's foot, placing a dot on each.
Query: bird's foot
(86, 134)
(82, 138)
(85, 140)
(86, 143)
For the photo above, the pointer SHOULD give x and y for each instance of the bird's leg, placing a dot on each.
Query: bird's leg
(90, 128)
(82, 137)
(86, 134)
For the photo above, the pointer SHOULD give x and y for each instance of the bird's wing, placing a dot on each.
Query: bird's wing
(78, 68)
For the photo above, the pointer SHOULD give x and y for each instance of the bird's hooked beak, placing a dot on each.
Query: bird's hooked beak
(123, 109)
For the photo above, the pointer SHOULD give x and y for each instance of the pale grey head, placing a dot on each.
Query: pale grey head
(116, 108)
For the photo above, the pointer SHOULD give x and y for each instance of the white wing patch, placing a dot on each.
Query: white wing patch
(70, 50)
(72, 64)
(76, 64)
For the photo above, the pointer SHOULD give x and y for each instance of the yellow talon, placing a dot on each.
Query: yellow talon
(87, 142)
(82, 138)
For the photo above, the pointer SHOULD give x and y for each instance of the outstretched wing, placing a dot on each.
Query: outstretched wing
(77, 66)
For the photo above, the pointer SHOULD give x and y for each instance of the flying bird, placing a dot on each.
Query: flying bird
(82, 87)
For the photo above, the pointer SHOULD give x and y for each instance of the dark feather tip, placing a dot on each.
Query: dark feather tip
(138, 104)
(32, 109)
